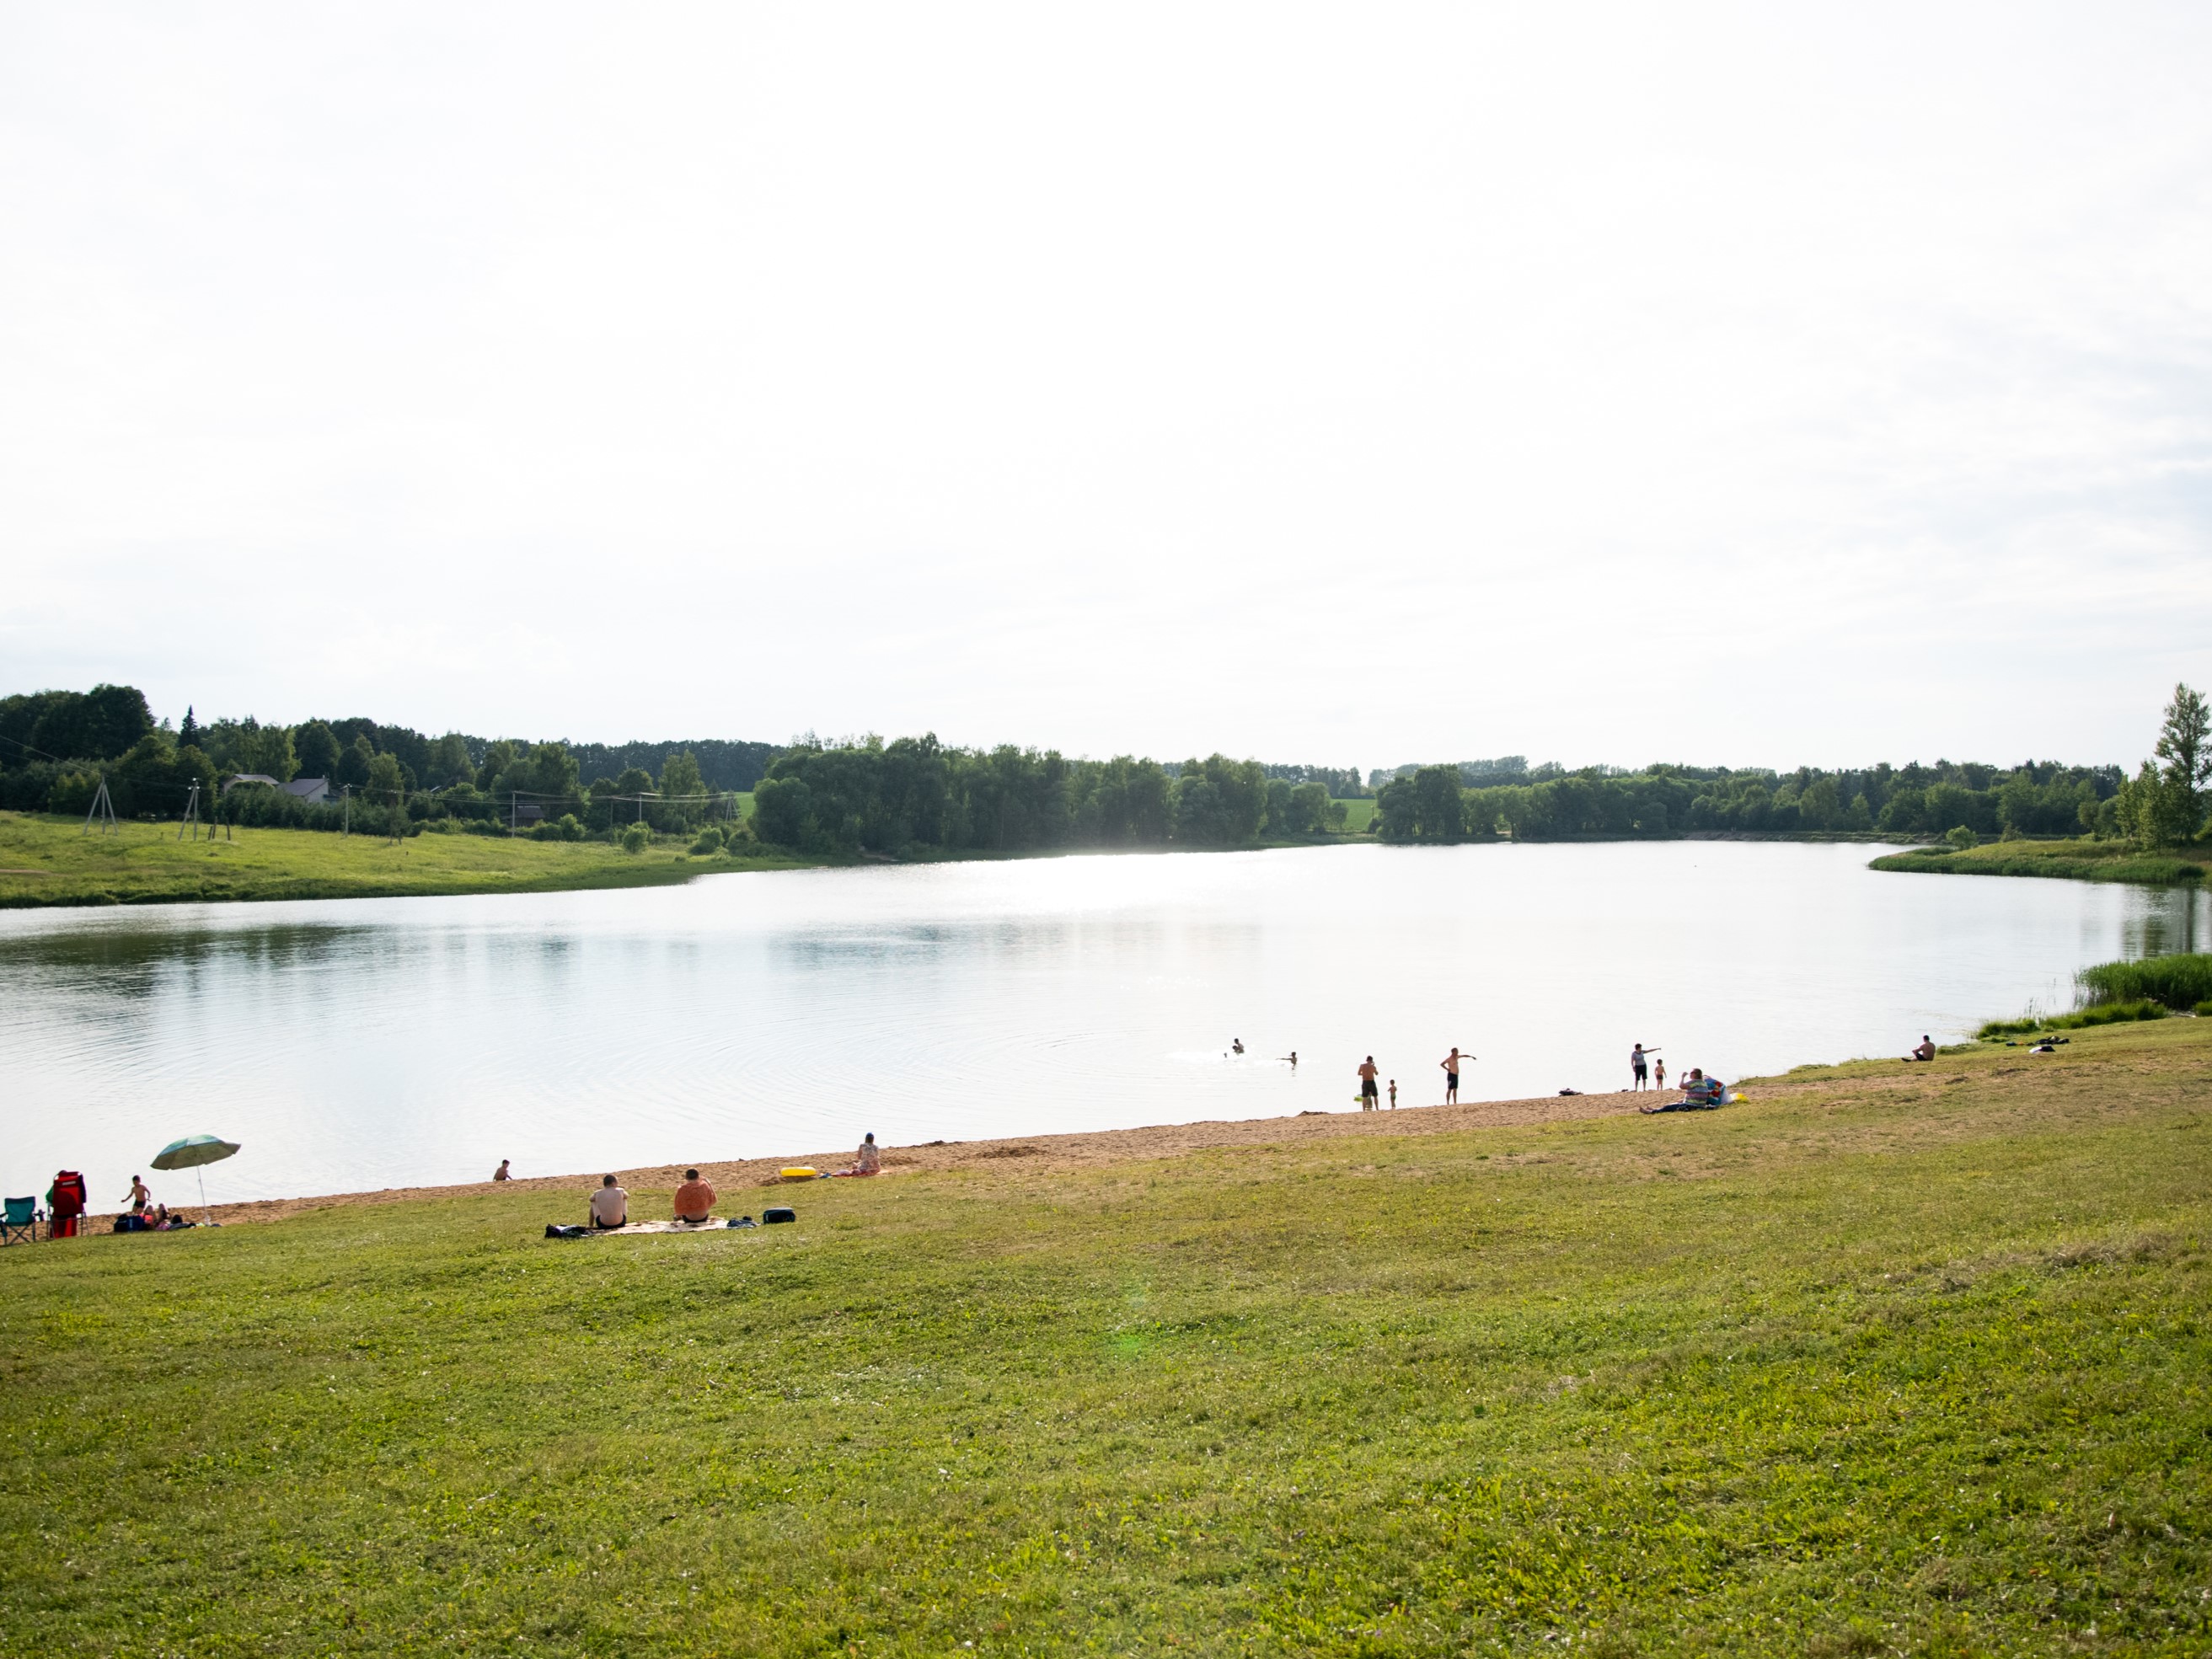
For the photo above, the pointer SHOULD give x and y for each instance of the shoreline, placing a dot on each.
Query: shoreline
(147, 866)
(736, 1179)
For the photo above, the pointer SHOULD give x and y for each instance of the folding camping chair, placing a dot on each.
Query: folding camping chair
(19, 1222)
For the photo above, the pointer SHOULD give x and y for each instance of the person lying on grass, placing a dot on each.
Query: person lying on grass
(694, 1199)
(1700, 1093)
(867, 1161)
(610, 1205)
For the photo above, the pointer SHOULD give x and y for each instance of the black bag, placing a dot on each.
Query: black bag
(553, 1231)
(780, 1213)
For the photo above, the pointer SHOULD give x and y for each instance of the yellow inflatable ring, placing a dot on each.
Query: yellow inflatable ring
(802, 1173)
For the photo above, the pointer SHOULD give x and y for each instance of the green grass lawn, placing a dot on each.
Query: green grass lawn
(1888, 1360)
(2081, 859)
(50, 861)
(1358, 814)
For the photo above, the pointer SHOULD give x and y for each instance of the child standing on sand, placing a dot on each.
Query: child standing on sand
(1658, 1072)
(1394, 1094)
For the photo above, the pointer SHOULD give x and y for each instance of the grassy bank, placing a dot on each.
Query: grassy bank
(2079, 860)
(1888, 1360)
(50, 861)
(46, 860)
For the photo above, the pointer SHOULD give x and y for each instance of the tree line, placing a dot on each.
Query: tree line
(2164, 803)
(57, 747)
(2037, 798)
(917, 795)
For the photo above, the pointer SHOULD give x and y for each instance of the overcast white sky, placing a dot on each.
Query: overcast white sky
(1341, 384)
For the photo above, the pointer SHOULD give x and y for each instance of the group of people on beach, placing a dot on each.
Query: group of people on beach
(1371, 1079)
(1646, 1070)
(694, 1199)
(145, 1216)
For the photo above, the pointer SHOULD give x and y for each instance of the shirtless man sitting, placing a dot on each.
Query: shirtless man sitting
(1925, 1051)
(694, 1199)
(610, 1205)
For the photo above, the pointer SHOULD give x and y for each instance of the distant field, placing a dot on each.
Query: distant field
(50, 861)
(1358, 814)
(2077, 859)
(1890, 1359)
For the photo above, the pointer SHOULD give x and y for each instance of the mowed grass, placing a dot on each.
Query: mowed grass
(1888, 1359)
(2081, 859)
(48, 860)
(1358, 815)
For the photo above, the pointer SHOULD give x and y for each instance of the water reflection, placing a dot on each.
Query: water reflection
(130, 962)
(2169, 920)
(395, 1042)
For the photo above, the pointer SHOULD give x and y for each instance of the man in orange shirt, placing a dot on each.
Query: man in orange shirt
(694, 1199)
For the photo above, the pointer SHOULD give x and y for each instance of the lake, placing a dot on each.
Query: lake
(378, 1043)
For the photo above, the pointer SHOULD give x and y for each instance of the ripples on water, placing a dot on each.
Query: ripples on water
(381, 1042)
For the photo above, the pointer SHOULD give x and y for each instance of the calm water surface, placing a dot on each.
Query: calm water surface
(382, 1042)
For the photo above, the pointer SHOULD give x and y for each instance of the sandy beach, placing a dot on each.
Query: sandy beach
(1037, 1152)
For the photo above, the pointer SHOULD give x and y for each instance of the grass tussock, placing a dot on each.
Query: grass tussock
(1915, 1364)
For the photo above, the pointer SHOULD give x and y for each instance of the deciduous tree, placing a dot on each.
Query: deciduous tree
(316, 746)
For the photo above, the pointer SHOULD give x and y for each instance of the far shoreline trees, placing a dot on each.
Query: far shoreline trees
(916, 797)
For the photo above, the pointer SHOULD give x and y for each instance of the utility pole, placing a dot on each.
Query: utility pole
(510, 812)
(348, 829)
(192, 818)
(104, 809)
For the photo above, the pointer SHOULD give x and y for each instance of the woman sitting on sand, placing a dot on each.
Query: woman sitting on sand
(867, 1161)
